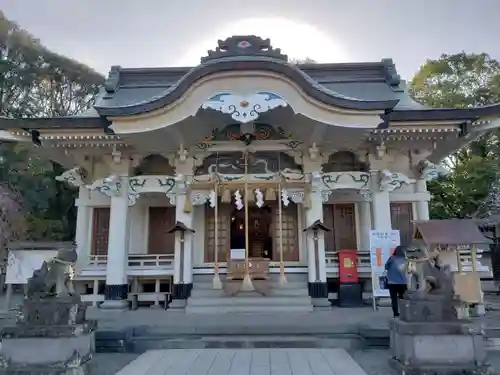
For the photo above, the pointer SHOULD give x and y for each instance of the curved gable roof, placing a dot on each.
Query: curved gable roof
(135, 91)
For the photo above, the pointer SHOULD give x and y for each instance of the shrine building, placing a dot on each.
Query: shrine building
(191, 177)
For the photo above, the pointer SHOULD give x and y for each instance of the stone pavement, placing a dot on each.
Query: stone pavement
(244, 361)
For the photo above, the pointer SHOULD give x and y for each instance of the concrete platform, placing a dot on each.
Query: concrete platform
(243, 361)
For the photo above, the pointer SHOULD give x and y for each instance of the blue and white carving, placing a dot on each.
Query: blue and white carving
(212, 198)
(284, 197)
(430, 171)
(237, 200)
(74, 177)
(259, 198)
(244, 108)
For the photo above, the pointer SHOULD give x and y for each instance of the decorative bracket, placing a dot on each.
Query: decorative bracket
(390, 181)
(244, 108)
(430, 171)
(74, 177)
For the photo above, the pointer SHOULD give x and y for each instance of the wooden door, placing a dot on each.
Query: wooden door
(224, 223)
(344, 226)
(402, 219)
(290, 234)
(328, 221)
(161, 220)
(341, 220)
(100, 230)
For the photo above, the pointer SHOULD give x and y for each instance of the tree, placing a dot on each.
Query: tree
(459, 81)
(34, 82)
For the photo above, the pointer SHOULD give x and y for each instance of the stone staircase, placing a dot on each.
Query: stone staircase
(290, 297)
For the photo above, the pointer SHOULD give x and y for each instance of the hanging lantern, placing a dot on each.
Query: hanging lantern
(270, 195)
(226, 196)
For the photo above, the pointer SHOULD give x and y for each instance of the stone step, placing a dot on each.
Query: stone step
(274, 292)
(248, 301)
(348, 342)
(226, 309)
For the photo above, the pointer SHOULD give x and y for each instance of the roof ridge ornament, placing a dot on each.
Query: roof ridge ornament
(244, 45)
(112, 81)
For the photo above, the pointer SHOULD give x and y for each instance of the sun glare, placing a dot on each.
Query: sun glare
(297, 40)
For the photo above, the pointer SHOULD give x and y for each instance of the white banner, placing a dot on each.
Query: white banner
(382, 245)
(22, 263)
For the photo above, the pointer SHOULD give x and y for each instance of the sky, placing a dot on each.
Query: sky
(143, 33)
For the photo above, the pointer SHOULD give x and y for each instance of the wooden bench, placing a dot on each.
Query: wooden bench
(156, 298)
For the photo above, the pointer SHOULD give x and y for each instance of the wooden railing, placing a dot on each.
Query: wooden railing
(141, 261)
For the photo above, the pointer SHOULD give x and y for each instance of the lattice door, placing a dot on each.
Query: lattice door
(290, 235)
(402, 218)
(100, 230)
(224, 222)
(344, 226)
(161, 220)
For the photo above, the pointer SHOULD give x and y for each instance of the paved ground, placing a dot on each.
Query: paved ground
(373, 361)
(244, 361)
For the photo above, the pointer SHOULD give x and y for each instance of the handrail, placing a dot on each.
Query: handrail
(134, 261)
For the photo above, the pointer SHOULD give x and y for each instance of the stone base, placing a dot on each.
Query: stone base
(435, 370)
(47, 350)
(46, 370)
(177, 304)
(321, 302)
(114, 305)
(437, 347)
(116, 292)
(181, 291)
(52, 311)
(318, 289)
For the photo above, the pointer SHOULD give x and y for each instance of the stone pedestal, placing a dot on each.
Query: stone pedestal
(443, 348)
(50, 337)
(429, 339)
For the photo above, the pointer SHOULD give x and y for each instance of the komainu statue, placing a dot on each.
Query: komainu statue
(431, 292)
(54, 277)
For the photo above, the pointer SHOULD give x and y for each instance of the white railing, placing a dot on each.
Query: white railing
(135, 261)
(364, 267)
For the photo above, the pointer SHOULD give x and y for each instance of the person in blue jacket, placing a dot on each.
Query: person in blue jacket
(397, 280)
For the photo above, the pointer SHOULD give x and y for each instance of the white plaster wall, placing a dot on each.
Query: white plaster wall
(138, 216)
(199, 235)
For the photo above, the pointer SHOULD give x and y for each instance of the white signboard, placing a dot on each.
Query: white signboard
(22, 263)
(382, 245)
(237, 254)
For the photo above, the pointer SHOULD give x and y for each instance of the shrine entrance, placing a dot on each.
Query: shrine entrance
(259, 232)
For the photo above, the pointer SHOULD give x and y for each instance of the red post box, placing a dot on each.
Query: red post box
(348, 266)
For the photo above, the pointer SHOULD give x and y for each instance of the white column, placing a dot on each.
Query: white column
(116, 270)
(186, 276)
(381, 204)
(313, 213)
(422, 205)
(83, 220)
(365, 224)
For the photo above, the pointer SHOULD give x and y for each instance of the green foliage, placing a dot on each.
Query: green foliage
(460, 81)
(35, 82)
